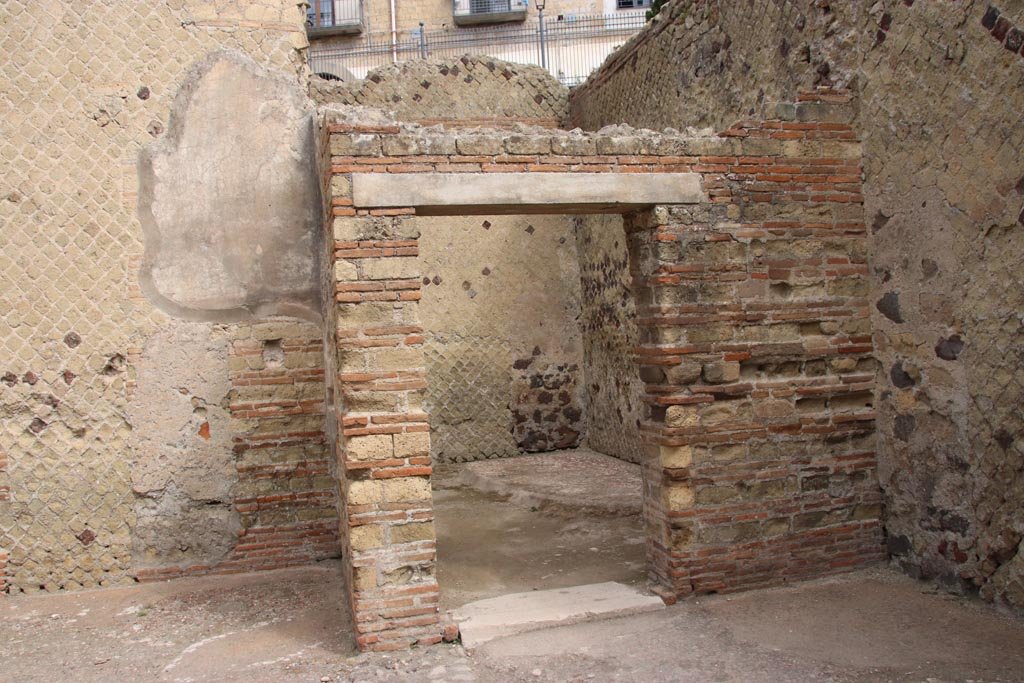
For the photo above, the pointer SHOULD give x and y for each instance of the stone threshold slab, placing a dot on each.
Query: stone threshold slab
(508, 615)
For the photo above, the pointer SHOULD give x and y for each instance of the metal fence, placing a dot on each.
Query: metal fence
(569, 46)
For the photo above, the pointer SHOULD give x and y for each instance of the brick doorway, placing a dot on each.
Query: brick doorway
(746, 253)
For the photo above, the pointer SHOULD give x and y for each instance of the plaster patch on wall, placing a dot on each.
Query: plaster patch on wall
(229, 199)
(183, 472)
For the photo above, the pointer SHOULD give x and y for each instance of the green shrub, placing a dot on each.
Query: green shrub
(656, 6)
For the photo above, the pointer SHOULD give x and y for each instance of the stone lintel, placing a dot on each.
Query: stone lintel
(497, 193)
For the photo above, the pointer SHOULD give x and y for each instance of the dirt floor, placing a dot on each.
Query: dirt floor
(501, 531)
(288, 625)
(534, 522)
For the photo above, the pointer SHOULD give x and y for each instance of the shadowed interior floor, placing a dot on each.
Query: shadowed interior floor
(534, 522)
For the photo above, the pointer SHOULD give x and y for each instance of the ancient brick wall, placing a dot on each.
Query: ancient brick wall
(759, 466)
(469, 91)
(707, 63)
(939, 99)
(86, 85)
(280, 496)
(766, 291)
(944, 199)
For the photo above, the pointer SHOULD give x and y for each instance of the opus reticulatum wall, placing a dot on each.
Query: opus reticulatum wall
(118, 423)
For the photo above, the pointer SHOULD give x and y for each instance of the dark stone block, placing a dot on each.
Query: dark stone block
(879, 222)
(904, 427)
(899, 376)
(1014, 40)
(949, 349)
(889, 306)
(951, 521)
(990, 18)
(898, 545)
(1001, 28)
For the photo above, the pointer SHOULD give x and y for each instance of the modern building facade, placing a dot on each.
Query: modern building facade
(350, 37)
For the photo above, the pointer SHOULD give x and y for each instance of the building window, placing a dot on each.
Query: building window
(489, 6)
(467, 12)
(632, 4)
(324, 17)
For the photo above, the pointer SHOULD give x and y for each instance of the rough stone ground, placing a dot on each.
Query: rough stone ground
(535, 522)
(288, 625)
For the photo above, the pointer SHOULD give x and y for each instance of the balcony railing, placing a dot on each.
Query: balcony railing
(334, 17)
(571, 46)
(468, 12)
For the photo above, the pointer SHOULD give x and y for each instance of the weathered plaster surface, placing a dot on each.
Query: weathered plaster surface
(229, 198)
(183, 468)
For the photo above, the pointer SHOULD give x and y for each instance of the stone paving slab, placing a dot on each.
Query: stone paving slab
(507, 615)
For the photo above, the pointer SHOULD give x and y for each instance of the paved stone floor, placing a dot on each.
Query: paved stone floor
(288, 625)
(578, 479)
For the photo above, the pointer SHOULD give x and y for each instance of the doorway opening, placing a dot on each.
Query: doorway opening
(529, 327)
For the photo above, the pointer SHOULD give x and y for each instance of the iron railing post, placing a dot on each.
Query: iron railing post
(543, 47)
(423, 42)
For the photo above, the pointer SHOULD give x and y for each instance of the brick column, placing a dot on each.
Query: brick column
(645, 252)
(383, 436)
(755, 351)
